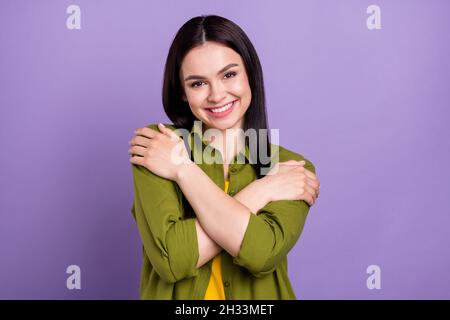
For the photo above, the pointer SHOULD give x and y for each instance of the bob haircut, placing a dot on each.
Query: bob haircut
(196, 32)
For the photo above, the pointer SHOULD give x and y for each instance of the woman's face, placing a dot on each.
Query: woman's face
(216, 86)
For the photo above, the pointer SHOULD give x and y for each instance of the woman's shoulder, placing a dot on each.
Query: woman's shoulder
(279, 154)
(154, 126)
(284, 154)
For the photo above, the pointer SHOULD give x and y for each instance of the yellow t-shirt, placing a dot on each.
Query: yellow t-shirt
(215, 289)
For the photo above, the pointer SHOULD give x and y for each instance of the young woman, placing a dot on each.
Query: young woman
(216, 229)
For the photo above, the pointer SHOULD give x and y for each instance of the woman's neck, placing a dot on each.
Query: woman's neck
(230, 142)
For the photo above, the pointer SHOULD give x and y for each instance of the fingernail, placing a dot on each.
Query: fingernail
(162, 125)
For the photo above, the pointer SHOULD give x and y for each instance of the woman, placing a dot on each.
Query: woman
(200, 242)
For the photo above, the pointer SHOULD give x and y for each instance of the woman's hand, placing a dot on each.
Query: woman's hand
(163, 153)
(289, 180)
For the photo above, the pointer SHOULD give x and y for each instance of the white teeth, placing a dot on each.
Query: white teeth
(222, 109)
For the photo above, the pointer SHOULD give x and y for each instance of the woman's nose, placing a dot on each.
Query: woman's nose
(217, 93)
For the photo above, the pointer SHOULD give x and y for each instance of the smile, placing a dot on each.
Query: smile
(223, 110)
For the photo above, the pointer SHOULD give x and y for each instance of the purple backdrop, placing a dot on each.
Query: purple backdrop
(373, 105)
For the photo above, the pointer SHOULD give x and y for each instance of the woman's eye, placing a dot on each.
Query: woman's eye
(199, 83)
(196, 84)
(230, 74)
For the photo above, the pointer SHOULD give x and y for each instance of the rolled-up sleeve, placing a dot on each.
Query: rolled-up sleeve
(169, 240)
(272, 233)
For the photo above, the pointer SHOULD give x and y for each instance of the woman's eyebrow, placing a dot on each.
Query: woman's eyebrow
(220, 71)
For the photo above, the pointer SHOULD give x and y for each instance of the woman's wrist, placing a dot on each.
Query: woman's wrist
(184, 171)
(263, 189)
(254, 196)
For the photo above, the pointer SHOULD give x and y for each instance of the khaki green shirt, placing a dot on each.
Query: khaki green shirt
(169, 238)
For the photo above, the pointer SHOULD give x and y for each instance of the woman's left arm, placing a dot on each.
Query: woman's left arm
(223, 218)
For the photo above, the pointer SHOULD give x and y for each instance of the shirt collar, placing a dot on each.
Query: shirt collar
(197, 133)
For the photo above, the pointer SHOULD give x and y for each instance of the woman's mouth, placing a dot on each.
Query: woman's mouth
(222, 111)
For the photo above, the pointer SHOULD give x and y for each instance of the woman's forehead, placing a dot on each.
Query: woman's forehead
(209, 58)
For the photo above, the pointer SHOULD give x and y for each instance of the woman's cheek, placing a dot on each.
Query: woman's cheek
(240, 88)
(237, 88)
(196, 101)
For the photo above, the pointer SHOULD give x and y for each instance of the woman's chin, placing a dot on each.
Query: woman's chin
(221, 124)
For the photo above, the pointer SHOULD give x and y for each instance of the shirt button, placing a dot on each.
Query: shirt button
(226, 284)
(233, 169)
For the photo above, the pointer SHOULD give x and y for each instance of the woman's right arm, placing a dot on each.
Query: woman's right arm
(275, 186)
(254, 196)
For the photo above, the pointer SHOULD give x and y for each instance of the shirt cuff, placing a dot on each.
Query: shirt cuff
(256, 245)
(183, 245)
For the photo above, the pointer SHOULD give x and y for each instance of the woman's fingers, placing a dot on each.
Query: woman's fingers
(139, 140)
(307, 196)
(138, 160)
(313, 183)
(312, 178)
(311, 175)
(168, 132)
(311, 191)
(137, 150)
(306, 176)
(291, 163)
(314, 186)
(146, 132)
